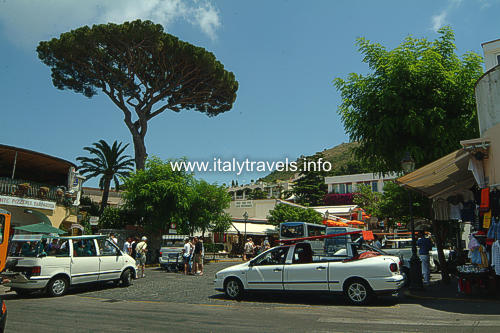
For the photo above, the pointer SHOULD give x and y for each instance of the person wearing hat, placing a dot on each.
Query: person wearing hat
(248, 250)
(141, 250)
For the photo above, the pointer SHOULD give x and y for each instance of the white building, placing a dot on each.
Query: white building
(491, 54)
(348, 183)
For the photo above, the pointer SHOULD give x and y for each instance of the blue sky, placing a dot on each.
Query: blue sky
(284, 54)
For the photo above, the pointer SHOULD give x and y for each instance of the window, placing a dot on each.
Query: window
(316, 230)
(273, 257)
(342, 188)
(84, 248)
(58, 248)
(374, 186)
(292, 231)
(335, 188)
(106, 248)
(498, 59)
(303, 254)
(348, 188)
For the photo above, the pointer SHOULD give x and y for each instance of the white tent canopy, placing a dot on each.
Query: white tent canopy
(252, 228)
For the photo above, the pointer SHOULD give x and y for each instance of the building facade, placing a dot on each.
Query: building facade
(32, 181)
(348, 183)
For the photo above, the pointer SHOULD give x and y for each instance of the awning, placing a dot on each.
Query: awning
(252, 229)
(343, 210)
(447, 174)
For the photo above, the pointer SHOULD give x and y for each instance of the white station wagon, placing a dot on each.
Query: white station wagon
(295, 268)
(55, 263)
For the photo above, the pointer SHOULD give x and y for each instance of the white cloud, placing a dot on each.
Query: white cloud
(439, 20)
(26, 22)
(207, 18)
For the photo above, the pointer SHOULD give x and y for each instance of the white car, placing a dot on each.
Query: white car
(296, 268)
(56, 263)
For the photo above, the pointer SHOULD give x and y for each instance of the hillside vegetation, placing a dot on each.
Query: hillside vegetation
(341, 157)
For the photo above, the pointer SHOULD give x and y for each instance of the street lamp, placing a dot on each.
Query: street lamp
(245, 216)
(408, 165)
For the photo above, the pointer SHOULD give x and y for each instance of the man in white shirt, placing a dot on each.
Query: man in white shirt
(127, 246)
(141, 250)
(113, 238)
(186, 254)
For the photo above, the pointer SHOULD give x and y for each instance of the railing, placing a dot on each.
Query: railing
(29, 189)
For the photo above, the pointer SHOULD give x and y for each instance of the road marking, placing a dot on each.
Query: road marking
(434, 322)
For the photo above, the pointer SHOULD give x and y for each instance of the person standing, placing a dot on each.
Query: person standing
(186, 253)
(248, 250)
(376, 243)
(141, 250)
(197, 259)
(266, 244)
(425, 245)
(127, 246)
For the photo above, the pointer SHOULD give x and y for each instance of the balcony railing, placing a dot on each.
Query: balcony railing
(29, 189)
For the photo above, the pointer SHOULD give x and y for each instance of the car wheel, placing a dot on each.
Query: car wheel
(126, 278)
(358, 292)
(233, 289)
(57, 286)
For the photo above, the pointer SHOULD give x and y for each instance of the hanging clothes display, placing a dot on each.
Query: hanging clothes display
(485, 200)
(487, 220)
(495, 257)
(441, 209)
(455, 211)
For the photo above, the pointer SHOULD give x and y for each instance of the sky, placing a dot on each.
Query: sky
(284, 54)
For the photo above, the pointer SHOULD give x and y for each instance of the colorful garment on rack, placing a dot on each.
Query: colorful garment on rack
(473, 243)
(494, 230)
(495, 257)
(487, 219)
(485, 200)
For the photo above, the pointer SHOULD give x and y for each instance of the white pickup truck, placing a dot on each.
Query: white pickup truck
(358, 276)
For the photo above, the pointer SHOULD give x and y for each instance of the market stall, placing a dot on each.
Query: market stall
(463, 200)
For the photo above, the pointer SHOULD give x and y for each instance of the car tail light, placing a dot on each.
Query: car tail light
(4, 308)
(36, 270)
(161, 253)
(393, 267)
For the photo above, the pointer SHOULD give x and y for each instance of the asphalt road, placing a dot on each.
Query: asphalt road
(169, 302)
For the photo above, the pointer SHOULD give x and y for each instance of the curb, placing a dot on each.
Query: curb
(408, 293)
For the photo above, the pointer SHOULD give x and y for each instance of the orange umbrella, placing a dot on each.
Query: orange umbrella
(332, 223)
(356, 222)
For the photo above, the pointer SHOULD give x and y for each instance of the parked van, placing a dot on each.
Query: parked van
(54, 263)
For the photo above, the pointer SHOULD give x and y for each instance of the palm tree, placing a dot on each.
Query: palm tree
(108, 163)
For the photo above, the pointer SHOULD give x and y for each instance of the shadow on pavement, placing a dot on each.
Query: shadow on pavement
(304, 299)
(446, 297)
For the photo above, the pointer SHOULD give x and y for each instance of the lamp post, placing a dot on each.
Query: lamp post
(408, 165)
(245, 216)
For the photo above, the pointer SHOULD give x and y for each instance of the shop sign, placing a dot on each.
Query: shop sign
(244, 204)
(25, 202)
(94, 220)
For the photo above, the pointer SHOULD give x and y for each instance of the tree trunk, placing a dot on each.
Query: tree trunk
(443, 265)
(105, 194)
(140, 151)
